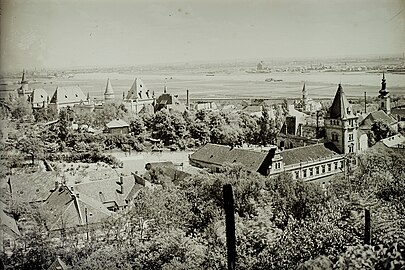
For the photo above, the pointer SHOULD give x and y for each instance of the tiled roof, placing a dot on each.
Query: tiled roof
(394, 141)
(219, 154)
(107, 190)
(39, 96)
(117, 123)
(307, 153)
(374, 116)
(341, 108)
(7, 223)
(66, 209)
(33, 187)
(68, 95)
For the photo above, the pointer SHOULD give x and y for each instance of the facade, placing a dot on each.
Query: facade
(341, 124)
(138, 97)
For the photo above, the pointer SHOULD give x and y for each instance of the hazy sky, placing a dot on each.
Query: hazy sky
(57, 33)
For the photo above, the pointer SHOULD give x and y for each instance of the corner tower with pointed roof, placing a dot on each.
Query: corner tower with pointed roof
(384, 96)
(341, 124)
(109, 91)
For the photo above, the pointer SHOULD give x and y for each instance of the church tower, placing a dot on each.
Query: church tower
(341, 124)
(304, 99)
(385, 100)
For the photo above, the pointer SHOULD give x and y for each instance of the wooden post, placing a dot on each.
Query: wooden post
(367, 227)
(230, 226)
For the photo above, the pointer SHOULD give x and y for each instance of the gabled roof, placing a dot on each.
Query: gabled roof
(341, 108)
(7, 223)
(117, 123)
(307, 153)
(39, 95)
(394, 141)
(68, 95)
(219, 154)
(65, 209)
(138, 90)
(35, 187)
(108, 190)
(374, 116)
(58, 264)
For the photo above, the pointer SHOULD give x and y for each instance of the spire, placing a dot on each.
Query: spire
(23, 77)
(88, 96)
(165, 89)
(383, 92)
(341, 107)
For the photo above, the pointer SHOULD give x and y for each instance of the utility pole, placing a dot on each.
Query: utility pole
(230, 226)
(367, 227)
(87, 224)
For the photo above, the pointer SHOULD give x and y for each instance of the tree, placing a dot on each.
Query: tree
(381, 130)
(20, 107)
(268, 130)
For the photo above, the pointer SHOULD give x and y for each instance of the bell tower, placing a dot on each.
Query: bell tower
(384, 96)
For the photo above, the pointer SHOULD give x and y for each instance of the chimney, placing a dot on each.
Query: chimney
(365, 102)
(188, 99)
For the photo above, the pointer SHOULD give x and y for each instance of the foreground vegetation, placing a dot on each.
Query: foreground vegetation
(280, 224)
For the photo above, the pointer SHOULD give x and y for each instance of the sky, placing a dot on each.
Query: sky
(92, 33)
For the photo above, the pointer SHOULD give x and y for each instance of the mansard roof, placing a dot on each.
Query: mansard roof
(341, 108)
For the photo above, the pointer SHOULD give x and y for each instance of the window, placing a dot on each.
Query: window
(331, 122)
(350, 137)
(329, 167)
(335, 165)
(304, 173)
(335, 137)
(311, 171)
(351, 148)
(317, 169)
(323, 168)
(297, 174)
